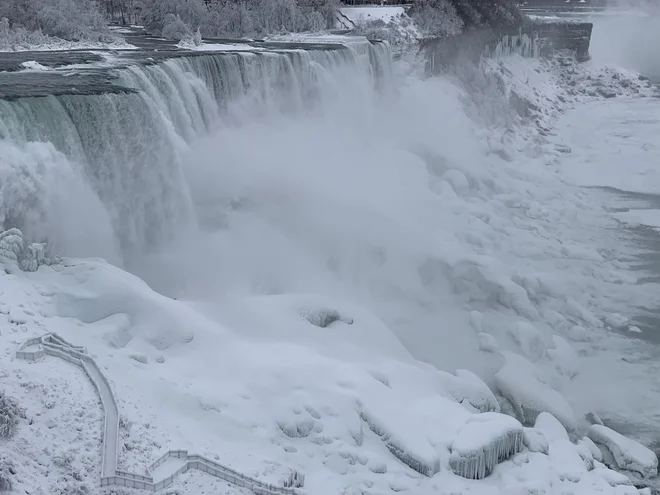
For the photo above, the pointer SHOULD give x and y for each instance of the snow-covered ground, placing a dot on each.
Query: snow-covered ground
(368, 249)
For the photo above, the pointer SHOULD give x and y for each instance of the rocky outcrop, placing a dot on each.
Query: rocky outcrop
(533, 38)
(562, 35)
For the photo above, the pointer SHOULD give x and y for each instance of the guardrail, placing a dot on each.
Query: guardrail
(53, 345)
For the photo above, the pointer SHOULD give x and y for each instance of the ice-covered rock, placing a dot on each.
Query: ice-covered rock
(322, 317)
(550, 427)
(466, 387)
(525, 387)
(33, 257)
(418, 441)
(593, 418)
(535, 440)
(593, 448)
(566, 461)
(585, 453)
(627, 453)
(484, 441)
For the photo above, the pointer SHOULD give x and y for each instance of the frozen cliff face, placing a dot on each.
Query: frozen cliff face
(533, 38)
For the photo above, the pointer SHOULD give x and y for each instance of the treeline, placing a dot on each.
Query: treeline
(218, 18)
(88, 20)
(65, 19)
(177, 19)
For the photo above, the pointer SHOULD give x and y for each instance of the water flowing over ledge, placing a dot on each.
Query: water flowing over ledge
(124, 147)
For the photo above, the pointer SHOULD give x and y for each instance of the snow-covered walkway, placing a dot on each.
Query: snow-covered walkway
(53, 345)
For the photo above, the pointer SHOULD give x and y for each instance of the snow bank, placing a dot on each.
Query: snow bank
(96, 291)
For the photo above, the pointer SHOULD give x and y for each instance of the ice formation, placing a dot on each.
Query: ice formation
(552, 429)
(15, 253)
(322, 317)
(535, 440)
(416, 453)
(525, 387)
(11, 244)
(484, 441)
(468, 389)
(628, 454)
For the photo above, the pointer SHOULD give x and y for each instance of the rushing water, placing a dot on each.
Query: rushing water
(126, 147)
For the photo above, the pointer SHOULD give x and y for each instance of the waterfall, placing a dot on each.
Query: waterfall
(125, 150)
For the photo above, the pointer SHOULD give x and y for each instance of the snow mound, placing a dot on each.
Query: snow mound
(526, 388)
(96, 291)
(628, 454)
(484, 441)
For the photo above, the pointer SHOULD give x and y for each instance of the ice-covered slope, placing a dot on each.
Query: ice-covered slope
(347, 226)
(256, 387)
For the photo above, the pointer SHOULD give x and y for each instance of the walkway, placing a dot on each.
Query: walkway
(53, 345)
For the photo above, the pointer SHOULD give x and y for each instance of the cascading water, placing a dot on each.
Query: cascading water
(126, 148)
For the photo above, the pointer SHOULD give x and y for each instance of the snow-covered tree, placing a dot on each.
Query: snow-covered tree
(67, 19)
(155, 14)
(174, 28)
(437, 18)
(487, 13)
(10, 412)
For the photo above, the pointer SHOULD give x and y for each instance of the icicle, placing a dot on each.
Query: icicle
(476, 462)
